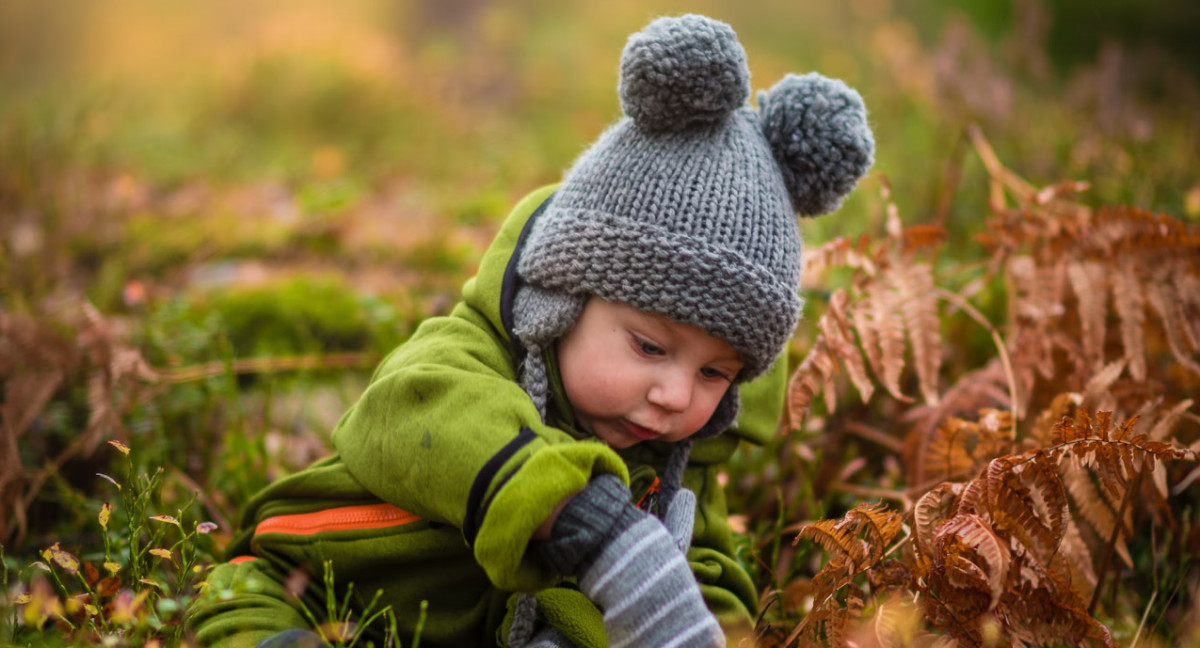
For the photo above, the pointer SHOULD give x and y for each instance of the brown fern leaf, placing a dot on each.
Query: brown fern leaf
(827, 623)
(1034, 521)
(876, 318)
(838, 253)
(1046, 425)
(833, 346)
(838, 537)
(917, 237)
(810, 379)
(956, 613)
(1097, 510)
(1164, 428)
(1089, 280)
(1048, 493)
(813, 631)
(881, 524)
(1046, 616)
(977, 558)
(1130, 302)
(837, 331)
(1187, 284)
(959, 585)
(978, 390)
(864, 315)
(839, 630)
(934, 508)
(960, 448)
(1166, 303)
(898, 623)
(1079, 557)
(919, 307)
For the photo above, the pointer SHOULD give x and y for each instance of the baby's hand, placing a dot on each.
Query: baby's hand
(681, 518)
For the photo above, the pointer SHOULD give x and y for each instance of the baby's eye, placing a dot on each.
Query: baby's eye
(709, 372)
(649, 348)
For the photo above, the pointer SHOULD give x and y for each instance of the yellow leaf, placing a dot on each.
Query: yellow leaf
(161, 553)
(64, 559)
(151, 581)
(91, 609)
(22, 599)
(112, 567)
(119, 446)
(165, 518)
(105, 513)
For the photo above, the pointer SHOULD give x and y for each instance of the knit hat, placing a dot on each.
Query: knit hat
(686, 206)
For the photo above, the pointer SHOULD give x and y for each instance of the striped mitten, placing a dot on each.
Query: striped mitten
(630, 566)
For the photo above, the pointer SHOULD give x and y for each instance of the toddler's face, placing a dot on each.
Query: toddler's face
(633, 376)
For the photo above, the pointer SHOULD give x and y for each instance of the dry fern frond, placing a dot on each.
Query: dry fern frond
(881, 524)
(919, 308)
(834, 345)
(36, 360)
(856, 542)
(1097, 510)
(934, 508)
(838, 253)
(976, 558)
(1130, 302)
(1089, 281)
(1167, 303)
(1042, 616)
(959, 448)
(881, 333)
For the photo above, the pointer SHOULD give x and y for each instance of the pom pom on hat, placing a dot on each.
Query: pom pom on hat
(681, 72)
(818, 132)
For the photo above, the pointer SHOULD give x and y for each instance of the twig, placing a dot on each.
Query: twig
(1112, 541)
(874, 434)
(205, 501)
(867, 491)
(1000, 348)
(950, 179)
(268, 365)
(1141, 625)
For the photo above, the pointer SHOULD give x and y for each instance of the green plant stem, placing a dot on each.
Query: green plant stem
(420, 624)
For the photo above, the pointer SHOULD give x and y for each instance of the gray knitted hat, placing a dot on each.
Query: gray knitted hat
(686, 207)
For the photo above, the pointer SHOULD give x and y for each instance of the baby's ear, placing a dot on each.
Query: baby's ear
(818, 132)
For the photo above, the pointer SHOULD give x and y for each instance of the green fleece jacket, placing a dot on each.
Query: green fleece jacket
(443, 470)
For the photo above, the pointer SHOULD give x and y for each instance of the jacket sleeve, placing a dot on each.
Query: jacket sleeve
(445, 431)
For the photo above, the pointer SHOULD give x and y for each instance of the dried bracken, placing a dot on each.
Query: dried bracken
(1020, 474)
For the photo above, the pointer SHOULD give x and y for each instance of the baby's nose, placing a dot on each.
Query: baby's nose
(672, 391)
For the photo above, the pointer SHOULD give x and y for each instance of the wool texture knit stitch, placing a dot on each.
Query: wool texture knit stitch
(687, 206)
(632, 566)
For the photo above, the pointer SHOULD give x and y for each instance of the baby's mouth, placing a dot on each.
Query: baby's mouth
(645, 434)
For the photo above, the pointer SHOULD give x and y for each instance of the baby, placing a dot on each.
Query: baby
(540, 465)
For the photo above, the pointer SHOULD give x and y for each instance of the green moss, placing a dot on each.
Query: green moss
(308, 314)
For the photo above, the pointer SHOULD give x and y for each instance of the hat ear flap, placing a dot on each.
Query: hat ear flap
(818, 132)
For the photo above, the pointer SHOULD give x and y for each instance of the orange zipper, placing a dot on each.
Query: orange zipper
(345, 518)
(646, 500)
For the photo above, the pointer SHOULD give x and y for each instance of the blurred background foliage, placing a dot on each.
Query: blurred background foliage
(227, 181)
